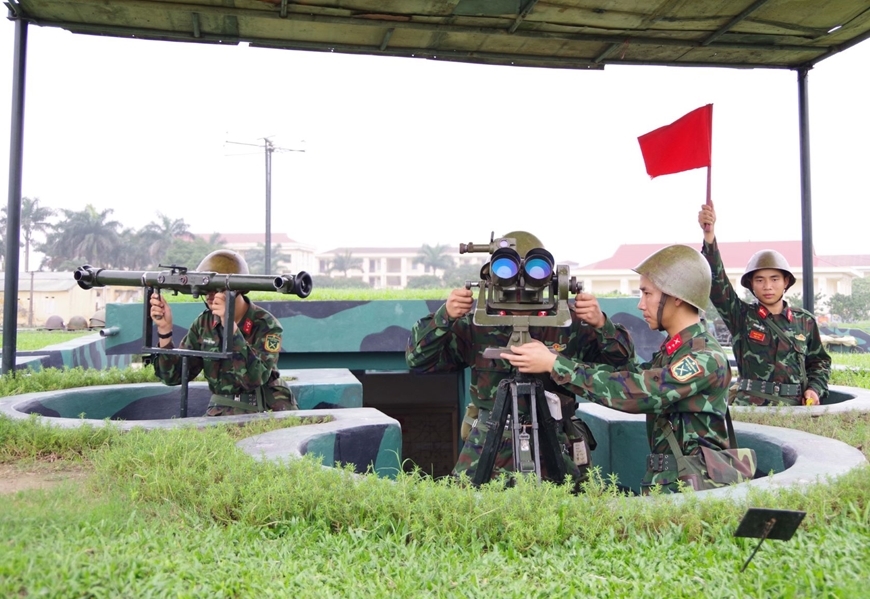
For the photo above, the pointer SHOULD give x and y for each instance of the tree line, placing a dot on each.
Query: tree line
(67, 239)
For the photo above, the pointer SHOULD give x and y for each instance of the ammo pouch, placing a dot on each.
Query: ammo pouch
(580, 439)
(577, 430)
(713, 468)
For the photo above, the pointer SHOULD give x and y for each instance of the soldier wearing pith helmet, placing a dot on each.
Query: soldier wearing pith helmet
(448, 340)
(778, 348)
(682, 390)
(249, 381)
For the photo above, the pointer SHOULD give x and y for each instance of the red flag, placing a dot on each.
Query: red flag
(681, 146)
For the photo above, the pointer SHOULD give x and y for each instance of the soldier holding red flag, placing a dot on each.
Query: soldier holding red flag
(778, 348)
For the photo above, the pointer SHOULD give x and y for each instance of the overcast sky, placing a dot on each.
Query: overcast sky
(403, 151)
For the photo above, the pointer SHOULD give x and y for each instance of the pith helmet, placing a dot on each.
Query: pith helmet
(767, 259)
(225, 262)
(681, 272)
(525, 241)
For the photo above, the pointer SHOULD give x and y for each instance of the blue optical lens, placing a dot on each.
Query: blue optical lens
(538, 268)
(504, 268)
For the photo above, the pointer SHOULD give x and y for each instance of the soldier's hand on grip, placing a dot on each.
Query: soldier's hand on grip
(161, 314)
(531, 357)
(218, 306)
(459, 302)
(587, 309)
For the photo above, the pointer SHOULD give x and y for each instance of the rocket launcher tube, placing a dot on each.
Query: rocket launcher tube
(180, 280)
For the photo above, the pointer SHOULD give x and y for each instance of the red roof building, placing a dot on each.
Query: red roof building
(831, 274)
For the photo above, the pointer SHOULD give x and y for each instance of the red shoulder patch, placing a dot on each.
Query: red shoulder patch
(788, 314)
(762, 311)
(247, 326)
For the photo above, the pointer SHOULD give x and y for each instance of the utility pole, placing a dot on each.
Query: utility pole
(269, 148)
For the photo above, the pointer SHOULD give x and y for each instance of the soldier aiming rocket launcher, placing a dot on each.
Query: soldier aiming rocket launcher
(521, 286)
(178, 279)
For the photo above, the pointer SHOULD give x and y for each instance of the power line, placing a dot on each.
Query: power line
(269, 148)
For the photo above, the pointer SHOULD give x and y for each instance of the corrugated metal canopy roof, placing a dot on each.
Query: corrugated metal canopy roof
(574, 34)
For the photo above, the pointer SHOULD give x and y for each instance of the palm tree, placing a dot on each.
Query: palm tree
(160, 235)
(189, 253)
(434, 258)
(83, 237)
(133, 251)
(256, 259)
(345, 262)
(34, 218)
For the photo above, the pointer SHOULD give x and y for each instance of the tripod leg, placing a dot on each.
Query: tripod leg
(552, 451)
(495, 428)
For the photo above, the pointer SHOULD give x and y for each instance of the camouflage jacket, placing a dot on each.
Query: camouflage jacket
(759, 350)
(686, 382)
(439, 344)
(255, 346)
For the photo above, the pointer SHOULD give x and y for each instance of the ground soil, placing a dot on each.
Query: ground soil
(14, 478)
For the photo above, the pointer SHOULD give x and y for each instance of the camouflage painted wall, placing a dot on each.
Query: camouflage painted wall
(370, 334)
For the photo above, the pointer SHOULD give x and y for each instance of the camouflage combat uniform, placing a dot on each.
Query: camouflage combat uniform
(762, 355)
(238, 382)
(439, 344)
(686, 384)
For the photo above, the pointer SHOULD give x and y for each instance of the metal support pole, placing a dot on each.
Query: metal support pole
(806, 191)
(268, 249)
(13, 207)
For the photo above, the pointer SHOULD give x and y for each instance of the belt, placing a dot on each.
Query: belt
(661, 462)
(248, 402)
(781, 389)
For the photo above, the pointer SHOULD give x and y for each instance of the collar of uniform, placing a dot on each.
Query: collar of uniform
(674, 343)
(246, 323)
(786, 311)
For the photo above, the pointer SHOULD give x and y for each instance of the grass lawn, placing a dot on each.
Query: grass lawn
(183, 513)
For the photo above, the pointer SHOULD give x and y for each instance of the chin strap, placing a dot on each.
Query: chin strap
(662, 301)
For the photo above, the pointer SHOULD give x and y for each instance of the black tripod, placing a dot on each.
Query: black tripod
(527, 448)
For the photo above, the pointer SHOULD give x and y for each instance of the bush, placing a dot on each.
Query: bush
(339, 283)
(425, 282)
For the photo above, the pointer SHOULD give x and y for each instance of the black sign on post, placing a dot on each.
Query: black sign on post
(768, 524)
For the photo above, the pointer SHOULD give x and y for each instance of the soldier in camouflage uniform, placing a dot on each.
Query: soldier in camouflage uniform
(778, 349)
(683, 388)
(247, 382)
(449, 341)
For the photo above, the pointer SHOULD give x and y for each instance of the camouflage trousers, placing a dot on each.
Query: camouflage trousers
(265, 399)
(504, 459)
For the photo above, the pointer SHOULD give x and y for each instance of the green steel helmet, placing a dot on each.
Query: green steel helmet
(225, 262)
(767, 259)
(681, 272)
(525, 241)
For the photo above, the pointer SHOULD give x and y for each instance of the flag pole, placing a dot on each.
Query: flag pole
(709, 197)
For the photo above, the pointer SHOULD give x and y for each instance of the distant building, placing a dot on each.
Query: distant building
(384, 267)
(831, 274)
(297, 256)
(58, 294)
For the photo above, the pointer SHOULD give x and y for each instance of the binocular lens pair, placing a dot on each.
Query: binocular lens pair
(506, 266)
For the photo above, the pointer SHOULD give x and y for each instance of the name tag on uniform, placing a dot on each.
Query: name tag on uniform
(756, 335)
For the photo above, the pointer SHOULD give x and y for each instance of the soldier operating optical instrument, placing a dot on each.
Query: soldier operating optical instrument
(521, 286)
